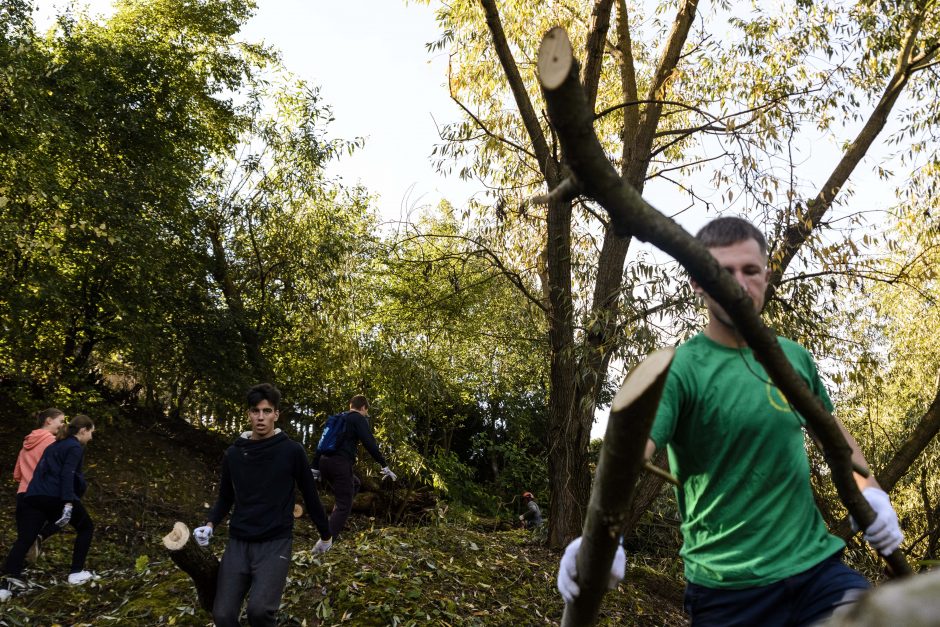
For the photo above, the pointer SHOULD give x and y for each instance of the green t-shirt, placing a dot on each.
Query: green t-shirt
(737, 448)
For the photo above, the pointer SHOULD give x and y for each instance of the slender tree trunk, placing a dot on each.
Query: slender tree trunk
(246, 331)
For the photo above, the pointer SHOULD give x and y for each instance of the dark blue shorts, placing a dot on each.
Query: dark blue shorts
(802, 599)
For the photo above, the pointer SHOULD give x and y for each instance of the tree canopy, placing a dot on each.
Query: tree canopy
(173, 234)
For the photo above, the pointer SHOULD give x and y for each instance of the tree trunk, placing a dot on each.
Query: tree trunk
(568, 464)
(647, 490)
(236, 306)
(201, 565)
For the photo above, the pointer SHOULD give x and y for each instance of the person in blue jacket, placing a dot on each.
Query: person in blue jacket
(337, 466)
(54, 494)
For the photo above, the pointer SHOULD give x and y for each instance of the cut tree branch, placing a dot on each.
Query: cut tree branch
(631, 418)
(630, 213)
(201, 565)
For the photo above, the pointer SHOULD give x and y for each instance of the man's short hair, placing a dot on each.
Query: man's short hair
(730, 230)
(264, 392)
(359, 401)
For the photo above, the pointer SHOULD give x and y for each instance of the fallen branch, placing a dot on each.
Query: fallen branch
(201, 565)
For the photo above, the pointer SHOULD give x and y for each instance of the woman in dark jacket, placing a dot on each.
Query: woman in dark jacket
(54, 494)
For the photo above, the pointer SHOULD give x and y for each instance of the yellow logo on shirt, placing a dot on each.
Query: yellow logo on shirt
(776, 398)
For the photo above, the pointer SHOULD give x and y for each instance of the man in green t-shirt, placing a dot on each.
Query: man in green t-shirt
(755, 547)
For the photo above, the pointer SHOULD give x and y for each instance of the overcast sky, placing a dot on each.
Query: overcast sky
(370, 61)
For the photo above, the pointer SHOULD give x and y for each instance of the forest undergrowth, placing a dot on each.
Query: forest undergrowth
(452, 570)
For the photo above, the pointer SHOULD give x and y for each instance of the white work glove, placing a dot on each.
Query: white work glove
(322, 546)
(203, 535)
(387, 472)
(316, 474)
(884, 533)
(522, 517)
(66, 515)
(568, 571)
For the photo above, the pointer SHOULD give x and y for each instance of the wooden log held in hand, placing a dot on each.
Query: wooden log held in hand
(631, 418)
(201, 565)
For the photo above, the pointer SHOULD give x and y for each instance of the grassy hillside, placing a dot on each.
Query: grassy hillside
(141, 480)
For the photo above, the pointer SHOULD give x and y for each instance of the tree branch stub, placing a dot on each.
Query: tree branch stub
(197, 562)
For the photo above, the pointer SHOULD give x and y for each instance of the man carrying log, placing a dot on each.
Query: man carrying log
(259, 473)
(755, 547)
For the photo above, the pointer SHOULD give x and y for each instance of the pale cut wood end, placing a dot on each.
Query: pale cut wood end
(176, 539)
(642, 377)
(555, 58)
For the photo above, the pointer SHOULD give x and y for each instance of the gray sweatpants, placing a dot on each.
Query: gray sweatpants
(258, 569)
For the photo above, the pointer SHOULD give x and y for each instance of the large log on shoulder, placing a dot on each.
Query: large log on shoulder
(201, 565)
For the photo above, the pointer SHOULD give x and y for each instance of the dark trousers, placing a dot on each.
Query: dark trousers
(802, 599)
(33, 514)
(338, 470)
(48, 530)
(256, 569)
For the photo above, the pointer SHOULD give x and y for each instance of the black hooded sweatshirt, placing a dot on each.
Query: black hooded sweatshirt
(258, 478)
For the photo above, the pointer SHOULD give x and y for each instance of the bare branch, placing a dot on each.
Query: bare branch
(797, 233)
(566, 190)
(530, 119)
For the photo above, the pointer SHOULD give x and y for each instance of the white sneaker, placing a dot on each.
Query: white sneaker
(5, 595)
(81, 577)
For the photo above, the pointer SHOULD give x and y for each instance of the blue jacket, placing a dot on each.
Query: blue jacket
(59, 471)
(358, 430)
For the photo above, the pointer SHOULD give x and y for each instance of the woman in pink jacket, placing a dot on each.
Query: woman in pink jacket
(48, 423)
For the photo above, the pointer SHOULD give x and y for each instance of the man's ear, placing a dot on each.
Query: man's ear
(696, 288)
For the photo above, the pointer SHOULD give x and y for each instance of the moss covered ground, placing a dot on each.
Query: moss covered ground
(453, 572)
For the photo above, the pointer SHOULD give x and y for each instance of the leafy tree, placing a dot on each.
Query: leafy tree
(676, 106)
(456, 352)
(96, 190)
(892, 389)
(281, 239)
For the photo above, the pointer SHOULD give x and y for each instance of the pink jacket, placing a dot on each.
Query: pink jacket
(33, 446)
